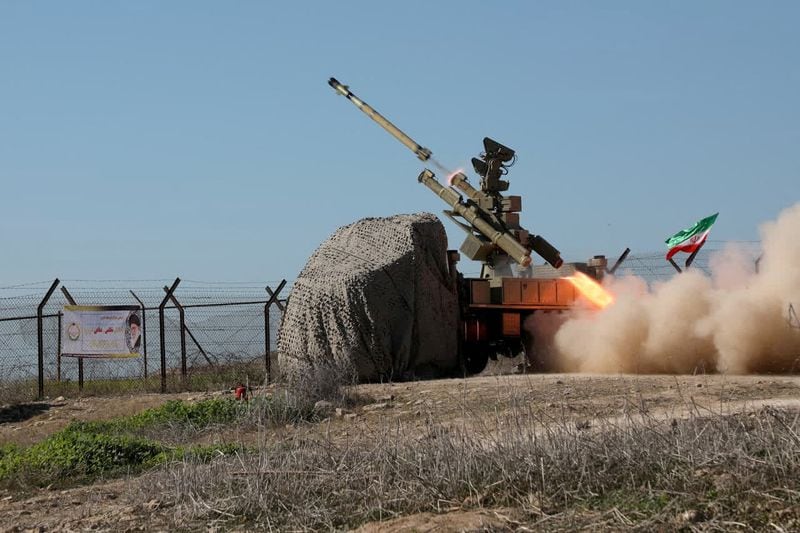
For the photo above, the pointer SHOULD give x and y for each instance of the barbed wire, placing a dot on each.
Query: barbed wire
(231, 337)
(220, 334)
(20, 285)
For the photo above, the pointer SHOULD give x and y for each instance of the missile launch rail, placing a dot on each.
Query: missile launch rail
(494, 308)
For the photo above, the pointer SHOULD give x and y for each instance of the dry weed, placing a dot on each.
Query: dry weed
(636, 472)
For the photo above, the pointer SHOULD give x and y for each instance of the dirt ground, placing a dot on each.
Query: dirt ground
(585, 398)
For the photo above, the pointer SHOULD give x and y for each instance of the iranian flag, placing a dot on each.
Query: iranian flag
(691, 239)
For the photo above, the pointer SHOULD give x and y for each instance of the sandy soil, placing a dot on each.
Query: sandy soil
(586, 398)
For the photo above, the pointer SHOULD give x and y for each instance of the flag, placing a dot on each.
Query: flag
(690, 239)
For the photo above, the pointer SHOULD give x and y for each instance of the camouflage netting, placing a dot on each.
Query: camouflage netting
(375, 295)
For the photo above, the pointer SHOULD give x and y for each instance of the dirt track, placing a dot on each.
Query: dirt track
(584, 398)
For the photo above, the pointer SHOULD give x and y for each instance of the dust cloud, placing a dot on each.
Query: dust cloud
(735, 321)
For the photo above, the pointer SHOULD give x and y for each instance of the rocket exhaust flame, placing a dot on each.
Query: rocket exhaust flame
(591, 290)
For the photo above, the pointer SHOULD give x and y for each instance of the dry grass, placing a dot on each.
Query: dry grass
(331, 381)
(199, 378)
(707, 471)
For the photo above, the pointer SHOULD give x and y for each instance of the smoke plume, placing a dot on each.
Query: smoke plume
(734, 321)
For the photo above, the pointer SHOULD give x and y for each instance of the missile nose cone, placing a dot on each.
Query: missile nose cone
(338, 87)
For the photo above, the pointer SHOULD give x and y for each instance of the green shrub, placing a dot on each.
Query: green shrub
(86, 450)
(204, 454)
(75, 453)
(198, 415)
(8, 449)
(193, 416)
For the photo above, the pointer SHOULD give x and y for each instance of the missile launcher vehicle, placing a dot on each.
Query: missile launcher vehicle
(493, 307)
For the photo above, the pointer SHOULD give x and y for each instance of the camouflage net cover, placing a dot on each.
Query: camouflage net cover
(377, 296)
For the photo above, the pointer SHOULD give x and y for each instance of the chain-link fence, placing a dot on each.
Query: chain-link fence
(654, 267)
(214, 335)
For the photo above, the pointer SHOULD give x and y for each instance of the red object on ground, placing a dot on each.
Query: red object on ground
(241, 392)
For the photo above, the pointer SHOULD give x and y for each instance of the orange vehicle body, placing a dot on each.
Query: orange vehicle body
(493, 317)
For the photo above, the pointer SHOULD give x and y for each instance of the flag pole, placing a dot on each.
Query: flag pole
(690, 259)
(675, 265)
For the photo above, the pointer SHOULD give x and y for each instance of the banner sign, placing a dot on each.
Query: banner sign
(101, 331)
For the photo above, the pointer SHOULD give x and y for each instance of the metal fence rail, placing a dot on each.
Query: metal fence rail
(206, 335)
(201, 335)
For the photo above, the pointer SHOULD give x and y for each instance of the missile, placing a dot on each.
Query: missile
(537, 243)
(459, 180)
(423, 153)
(472, 214)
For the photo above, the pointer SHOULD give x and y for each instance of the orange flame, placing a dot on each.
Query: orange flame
(591, 290)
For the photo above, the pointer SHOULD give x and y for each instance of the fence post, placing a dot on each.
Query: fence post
(182, 318)
(273, 297)
(144, 333)
(267, 361)
(690, 259)
(162, 335)
(189, 331)
(72, 301)
(58, 352)
(40, 335)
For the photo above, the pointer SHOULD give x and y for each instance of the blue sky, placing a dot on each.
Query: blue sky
(145, 140)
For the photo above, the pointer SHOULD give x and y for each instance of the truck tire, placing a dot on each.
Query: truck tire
(475, 357)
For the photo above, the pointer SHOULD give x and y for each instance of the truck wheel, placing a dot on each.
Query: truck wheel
(475, 359)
